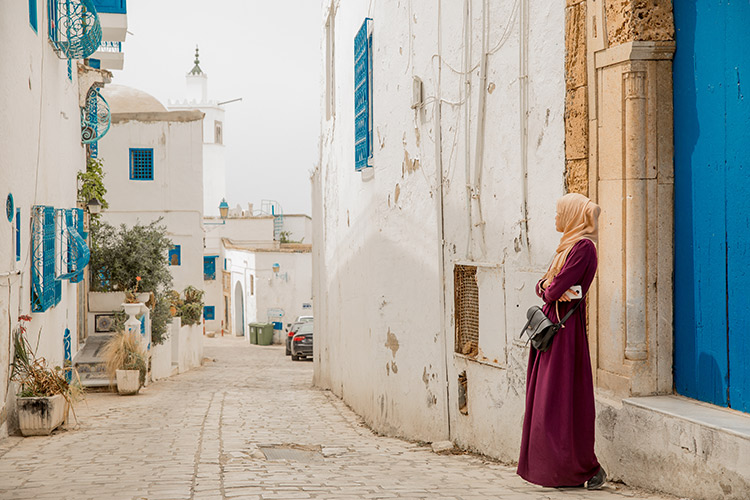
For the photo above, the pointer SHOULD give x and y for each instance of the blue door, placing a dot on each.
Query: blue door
(712, 201)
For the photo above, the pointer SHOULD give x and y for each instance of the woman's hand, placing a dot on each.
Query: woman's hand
(564, 297)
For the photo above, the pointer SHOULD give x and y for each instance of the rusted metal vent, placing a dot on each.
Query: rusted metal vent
(466, 306)
(292, 453)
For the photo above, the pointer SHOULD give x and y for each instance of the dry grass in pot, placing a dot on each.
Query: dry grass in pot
(124, 351)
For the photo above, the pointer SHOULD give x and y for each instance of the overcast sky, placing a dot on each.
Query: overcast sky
(268, 53)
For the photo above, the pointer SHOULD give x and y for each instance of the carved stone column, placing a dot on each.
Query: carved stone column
(635, 205)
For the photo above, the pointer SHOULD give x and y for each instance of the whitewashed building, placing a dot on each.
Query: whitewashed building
(52, 117)
(449, 130)
(214, 154)
(249, 276)
(153, 164)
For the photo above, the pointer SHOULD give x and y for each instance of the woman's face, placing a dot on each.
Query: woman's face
(558, 223)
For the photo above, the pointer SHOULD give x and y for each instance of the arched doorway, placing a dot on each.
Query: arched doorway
(239, 310)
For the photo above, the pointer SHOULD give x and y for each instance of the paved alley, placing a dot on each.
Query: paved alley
(216, 432)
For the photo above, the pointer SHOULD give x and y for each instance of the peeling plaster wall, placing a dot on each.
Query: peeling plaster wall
(377, 256)
(40, 136)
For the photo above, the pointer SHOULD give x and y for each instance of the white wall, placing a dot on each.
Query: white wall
(252, 231)
(299, 227)
(384, 296)
(40, 137)
(242, 268)
(289, 289)
(175, 194)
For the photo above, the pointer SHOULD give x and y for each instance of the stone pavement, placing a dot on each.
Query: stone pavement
(202, 435)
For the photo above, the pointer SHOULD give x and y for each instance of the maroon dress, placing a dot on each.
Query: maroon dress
(557, 447)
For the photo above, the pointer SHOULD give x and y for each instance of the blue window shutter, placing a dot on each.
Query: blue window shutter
(18, 234)
(33, 16)
(43, 283)
(363, 95)
(175, 257)
(209, 268)
(141, 164)
(209, 312)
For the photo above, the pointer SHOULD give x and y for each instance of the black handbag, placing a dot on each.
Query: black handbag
(540, 329)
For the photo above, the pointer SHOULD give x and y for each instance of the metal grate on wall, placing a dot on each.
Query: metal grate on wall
(209, 268)
(209, 312)
(141, 164)
(466, 304)
(363, 95)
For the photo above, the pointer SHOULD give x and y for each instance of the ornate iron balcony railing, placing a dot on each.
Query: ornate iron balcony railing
(96, 117)
(72, 252)
(110, 47)
(74, 28)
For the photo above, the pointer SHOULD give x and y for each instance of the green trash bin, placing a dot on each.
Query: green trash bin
(265, 333)
(253, 330)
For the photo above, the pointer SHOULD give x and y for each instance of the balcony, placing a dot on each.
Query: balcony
(113, 18)
(109, 56)
(74, 28)
(95, 117)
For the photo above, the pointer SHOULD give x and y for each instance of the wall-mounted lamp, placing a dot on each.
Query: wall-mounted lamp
(276, 267)
(223, 213)
(94, 206)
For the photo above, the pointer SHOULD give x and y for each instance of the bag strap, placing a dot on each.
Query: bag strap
(561, 324)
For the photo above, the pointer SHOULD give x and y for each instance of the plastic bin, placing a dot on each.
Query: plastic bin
(265, 333)
(252, 329)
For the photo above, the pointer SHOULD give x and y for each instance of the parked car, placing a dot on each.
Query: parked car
(304, 318)
(302, 342)
(293, 327)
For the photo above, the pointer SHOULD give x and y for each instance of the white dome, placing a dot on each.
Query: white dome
(124, 99)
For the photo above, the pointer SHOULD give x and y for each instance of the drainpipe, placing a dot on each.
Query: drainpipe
(467, 126)
(441, 217)
(479, 153)
(523, 81)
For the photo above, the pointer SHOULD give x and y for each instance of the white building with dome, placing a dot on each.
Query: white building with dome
(153, 164)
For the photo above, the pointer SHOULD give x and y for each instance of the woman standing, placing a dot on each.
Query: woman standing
(557, 447)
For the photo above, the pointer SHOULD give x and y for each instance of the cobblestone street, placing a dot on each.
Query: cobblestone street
(202, 435)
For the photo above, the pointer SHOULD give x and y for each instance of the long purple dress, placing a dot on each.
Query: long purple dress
(557, 448)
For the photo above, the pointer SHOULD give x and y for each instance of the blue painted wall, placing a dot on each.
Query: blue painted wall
(712, 201)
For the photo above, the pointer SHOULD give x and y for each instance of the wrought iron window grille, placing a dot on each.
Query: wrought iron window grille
(141, 164)
(209, 268)
(96, 118)
(209, 312)
(363, 91)
(72, 252)
(74, 28)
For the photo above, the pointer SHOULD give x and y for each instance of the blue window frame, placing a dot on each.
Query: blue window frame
(111, 6)
(141, 164)
(18, 234)
(175, 255)
(209, 267)
(209, 312)
(33, 16)
(363, 91)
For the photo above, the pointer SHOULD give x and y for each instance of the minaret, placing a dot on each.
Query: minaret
(197, 82)
(214, 163)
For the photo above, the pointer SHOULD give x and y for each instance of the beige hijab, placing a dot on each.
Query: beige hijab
(577, 219)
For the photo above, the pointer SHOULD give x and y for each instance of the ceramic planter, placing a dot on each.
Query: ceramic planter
(128, 381)
(40, 416)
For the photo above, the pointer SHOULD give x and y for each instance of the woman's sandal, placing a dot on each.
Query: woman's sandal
(598, 480)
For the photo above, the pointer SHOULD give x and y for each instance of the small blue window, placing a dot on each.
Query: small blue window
(363, 91)
(175, 256)
(18, 234)
(141, 164)
(209, 312)
(209, 267)
(32, 16)
(95, 63)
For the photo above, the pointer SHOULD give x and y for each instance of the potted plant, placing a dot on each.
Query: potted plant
(45, 395)
(125, 361)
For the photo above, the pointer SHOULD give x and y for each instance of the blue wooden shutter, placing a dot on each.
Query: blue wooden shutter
(45, 289)
(33, 15)
(209, 268)
(363, 95)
